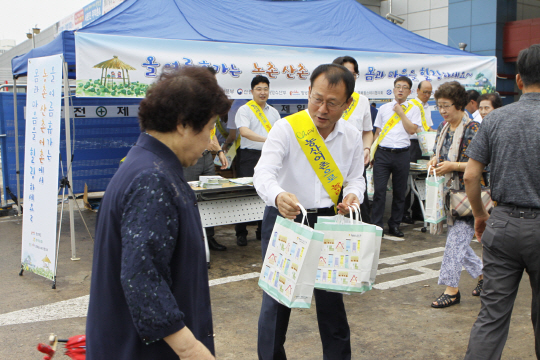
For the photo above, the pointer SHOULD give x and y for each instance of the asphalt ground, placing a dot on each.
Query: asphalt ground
(392, 321)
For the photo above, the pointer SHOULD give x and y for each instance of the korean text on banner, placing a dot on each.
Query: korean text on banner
(290, 263)
(137, 63)
(41, 159)
(435, 211)
(349, 257)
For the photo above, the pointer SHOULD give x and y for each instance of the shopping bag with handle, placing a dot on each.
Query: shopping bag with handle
(434, 212)
(350, 255)
(426, 140)
(290, 264)
(369, 182)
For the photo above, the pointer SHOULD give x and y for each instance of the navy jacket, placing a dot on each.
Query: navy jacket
(149, 274)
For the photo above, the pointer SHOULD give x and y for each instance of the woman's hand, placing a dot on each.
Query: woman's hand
(445, 167)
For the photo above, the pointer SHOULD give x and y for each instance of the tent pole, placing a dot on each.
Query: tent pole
(16, 123)
(67, 112)
(123, 77)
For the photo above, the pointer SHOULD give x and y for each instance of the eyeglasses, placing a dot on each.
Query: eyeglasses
(261, 89)
(444, 106)
(329, 105)
(404, 88)
(355, 76)
(427, 92)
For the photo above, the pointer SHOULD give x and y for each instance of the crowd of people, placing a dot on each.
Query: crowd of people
(149, 235)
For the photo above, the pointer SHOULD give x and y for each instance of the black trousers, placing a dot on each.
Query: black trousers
(204, 166)
(511, 245)
(246, 160)
(274, 318)
(387, 163)
(365, 209)
(415, 154)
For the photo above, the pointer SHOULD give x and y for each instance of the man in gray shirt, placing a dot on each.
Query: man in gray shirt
(509, 140)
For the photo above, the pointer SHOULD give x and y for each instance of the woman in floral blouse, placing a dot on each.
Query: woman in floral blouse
(453, 137)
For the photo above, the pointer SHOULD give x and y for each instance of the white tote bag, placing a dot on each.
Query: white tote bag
(434, 212)
(290, 264)
(426, 140)
(369, 182)
(350, 255)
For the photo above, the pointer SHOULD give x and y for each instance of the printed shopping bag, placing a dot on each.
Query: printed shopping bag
(290, 264)
(435, 212)
(350, 255)
(369, 182)
(426, 140)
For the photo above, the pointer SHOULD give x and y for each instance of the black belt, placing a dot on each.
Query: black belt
(414, 140)
(395, 151)
(521, 212)
(320, 210)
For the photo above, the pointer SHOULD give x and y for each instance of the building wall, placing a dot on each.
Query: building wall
(528, 9)
(427, 18)
(373, 5)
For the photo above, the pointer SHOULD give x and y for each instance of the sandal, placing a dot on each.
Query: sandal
(446, 300)
(478, 289)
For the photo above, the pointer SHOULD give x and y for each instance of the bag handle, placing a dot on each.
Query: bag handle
(356, 208)
(429, 171)
(304, 214)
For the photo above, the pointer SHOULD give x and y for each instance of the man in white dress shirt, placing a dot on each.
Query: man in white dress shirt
(254, 121)
(423, 94)
(284, 177)
(396, 122)
(472, 106)
(359, 115)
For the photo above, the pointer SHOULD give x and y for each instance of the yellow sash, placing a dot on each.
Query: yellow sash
(422, 113)
(347, 113)
(221, 129)
(387, 127)
(259, 114)
(213, 132)
(320, 159)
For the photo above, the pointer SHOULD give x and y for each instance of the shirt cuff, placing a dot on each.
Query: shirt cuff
(353, 190)
(272, 195)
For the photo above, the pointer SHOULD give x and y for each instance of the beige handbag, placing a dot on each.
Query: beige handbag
(460, 206)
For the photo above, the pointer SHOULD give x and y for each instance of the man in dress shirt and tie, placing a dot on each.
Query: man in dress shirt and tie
(395, 123)
(285, 176)
(359, 115)
(424, 91)
(254, 121)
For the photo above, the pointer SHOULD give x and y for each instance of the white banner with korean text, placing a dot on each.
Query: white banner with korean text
(121, 66)
(41, 159)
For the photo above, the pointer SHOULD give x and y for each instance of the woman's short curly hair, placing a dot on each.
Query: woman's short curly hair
(493, 98)
(189, 96)
(453, 91)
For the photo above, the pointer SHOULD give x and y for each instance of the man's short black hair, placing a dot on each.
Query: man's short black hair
(528, 65)
(212, 70)
(404, 78)
(473, 95)
(373, 104)
(346, 59)
(259, 79)
(335, 74)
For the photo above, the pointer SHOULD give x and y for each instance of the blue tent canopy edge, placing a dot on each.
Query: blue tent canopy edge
(331, 24)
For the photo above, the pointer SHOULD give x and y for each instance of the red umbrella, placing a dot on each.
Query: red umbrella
(75, 347)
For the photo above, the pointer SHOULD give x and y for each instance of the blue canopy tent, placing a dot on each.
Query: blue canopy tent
(332, 24)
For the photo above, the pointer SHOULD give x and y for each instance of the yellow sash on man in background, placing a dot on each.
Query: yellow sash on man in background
(387, 127)
(213, 132)
(259, 114)
(221, 129)
(422, 113)
(347, 113)
(320, 159)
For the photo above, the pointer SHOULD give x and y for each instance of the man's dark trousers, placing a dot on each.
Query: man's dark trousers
(511, 245)
(246, 160)
(386, 163)
(274, 318)
(415, 154)
(364, 206)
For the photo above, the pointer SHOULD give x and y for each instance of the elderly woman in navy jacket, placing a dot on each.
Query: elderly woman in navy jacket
(149, 296)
